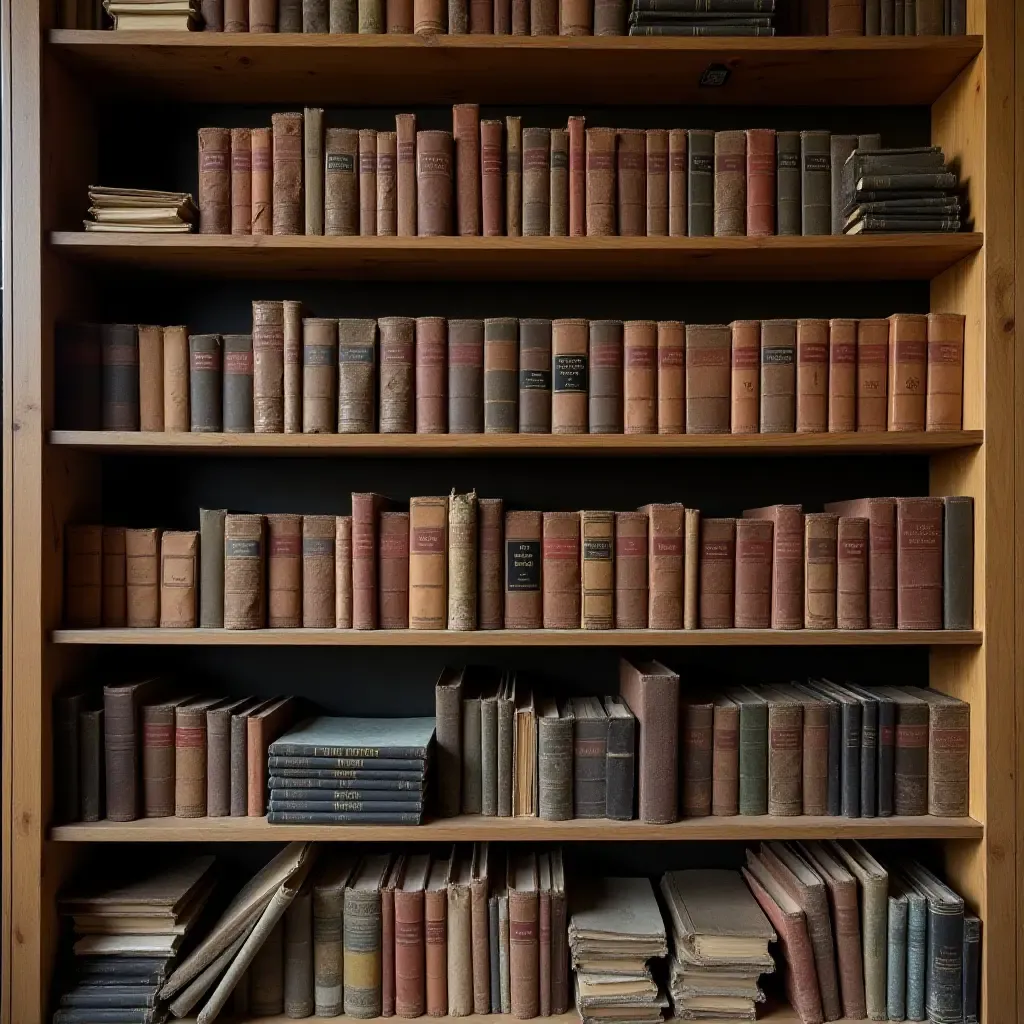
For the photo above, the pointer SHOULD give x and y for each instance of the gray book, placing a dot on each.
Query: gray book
(91, 774)
(916, 945)
(448, 713)
(368, 738)
(472, 771)
(896, 957)
(753, 752)
(841, 146)
(298, 955)
(211, 568)
(494, 932)
(872, 19)
(700, 218)
(506, 721)
(590, 757)
(554, 760)
(362, 931)
(329, 883)
(205, 364)
(958, 563)
(620, 760)
(489, 752)
(238, 370)
(886, 19)
(787, 183)
(815, 183)
(314, 19)
(503, 950)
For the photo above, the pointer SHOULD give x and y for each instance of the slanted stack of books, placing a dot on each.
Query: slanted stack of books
(702, 18)
(140, 209)
(154, 15)
(720, 945)
(899, 190)
(370, 771)
(126, 938)
(616, 927)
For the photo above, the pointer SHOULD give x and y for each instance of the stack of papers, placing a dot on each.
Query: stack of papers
(154, 15)
(139, 209)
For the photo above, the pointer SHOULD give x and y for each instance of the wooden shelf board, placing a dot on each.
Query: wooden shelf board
(519, 637)
(412, 445)
(782, 258)
(468, 828)
(388, 69)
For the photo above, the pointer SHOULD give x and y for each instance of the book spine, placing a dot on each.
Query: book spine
(448, 712)
(284, 571)
(433, 183)
(465, 376)
(523, 913)
(543, 17)
(842, 376)
(717, 573)
(361, 927)
(190, 762)
(489, 757)
(701, 184)
(343, 572)
(458, 17)
(435, 914)
(151, 378)
(811, 376)
(367, 181)
(357, 372)
(631, 181)
(206, 382)
(393, 562)
(971, 968)
(520, 22)
(266, 975)
(176, 417)
(569, 376)
(908, 367)
(840, 147)
(319, 375)
(597, 531)
(631, 579)
(534, 376)
(657, 181)
(708, 379)
(292, 335)
(315, 17)
(462, 561)
(919, 563)
(490, 590)
(640, 386)
(492, 178)
(697, 728)
(158, 771)
(815, 780)
(218, 763)
(262, 146)
(691, 568)
(852, 573)
(178, 557)
(405, 134)
(494, 929)
(610, 17)
(428, 560)
(501, 365)
(678, 172)
(945, 388)
(120, 376)
(288, 158)
(620, 769)
(885, 773)
(576, 132)
(387, 183)
(785, 758)
(753, 758)
(778, 376)
(506, 740)
(745, 403)
(850, 769)
(958, 563)
(267, 367)
(760, 181)
(575, 18)
(429, 18)
(341, 178)
(365, 508)
(514, 159)
(78, 382)
(536, 181)
(466, 134)
(328, 950)
(313, 138)
(298, 953)
(91, 765)
(944, 972)
(600, 179)
(730, 183)
(114, 603)
(754, 543)
(397, 375)
(213, 15)
(556, 792)
(239, 766)
(371, 17)
(142, 578)
(214, 181)
(605, 358)
(816, 183)
(431, 398)
(244, 572)
(561, 570)
(949, 737)
(671, 377)
(410, 954)
(872, 374)
(725, 768)
(83, 576)
(559, 205)
(910, 760)
(665, 561)
(917, 957)
(820, 570)
(523, 595)
(387, 951)
(318, 572)
(787, 184)
(238, 384)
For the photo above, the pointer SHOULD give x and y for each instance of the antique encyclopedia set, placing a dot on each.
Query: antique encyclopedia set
(531, 559)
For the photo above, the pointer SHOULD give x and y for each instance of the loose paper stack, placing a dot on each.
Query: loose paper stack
(615, 929)
(154, 15)
(702, 18)
(371, 771)
(719, 945)
(139, 209)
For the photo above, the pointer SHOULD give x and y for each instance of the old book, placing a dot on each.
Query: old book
(717, 573)
(842, 375)
(846, 17)
(605, 365)
(393, 570)
(945, 377)
(77, 377)
(431, 398)
(263, 726)
(410, 936)
(371, 17)
(343, 572)
(577, 176)
(815, 183)
(778, 376)
(651, 692)
(589, 760)
(151, 378)
(754, 573)
(812, 359)
(575, 19)
(91, 767)
(405, 133)
(158, 757)
(315, 18)
(341, 180)
(631, 182)
(725, 768)
(657, 185)
(534, 376)
(460, 933)
(760, 181)
(489, 747)
(506, 742)
(785, 751)
(262, 143)
(219, 754)
(214, 181)
(919, 563)
(840, 147)
(872, 374)
(435, 914)
(730, 183)
(881, 516)
(362, 937)
(448, 710)
(910, 750)
(492, 178)
(536, 181)
(665, 561)
(753, 750)
(490, 555)
(238, 383)
(288, 158)
(122, 722)
(211, 564)
(787, 183)
(600, 177)
(357, 371)
(544, 887)
(284, 571)
(267, 366)
(387, 934)
(853, 732)
(708, 349)
(620, 760)
(852, 540)
(555, 760)
(640, 386)
(313, 136)
(569, 383)
(908, 366)
(597, 570)
(696, 731)
(465, 376)
(949, 731)
(367, 181)
(114, 604)
(820, 570)
(175, 376)
(523, 595)
(119, 348)
(387, 183)
(244, 572)
(745, 399)
(671, 377)
(190, 757)
(462, 561)
(292, 373)
(83, 575)
(178, 572)
(501, 366)
(428, 562)
(514, 172)
(559, 178)
(142, 578)
(678, 171)
(631, 579)
(691, 568)
(433, 183)
(559, 935)
(318, 572)
(701, 183)
(429, 18)
(328, 898)
(266, 972)
(561, 570)
(971, 968)
(822, 748)
(397, 375)
(787, 563)
(458, 17)
(523, 911)
(206, 382)
(958, 563)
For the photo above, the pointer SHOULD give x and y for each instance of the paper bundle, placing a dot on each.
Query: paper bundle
(154, 15)
(138, 209)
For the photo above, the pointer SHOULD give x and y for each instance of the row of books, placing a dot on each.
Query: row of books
(489, 178)
(428, 375)
(463, 563)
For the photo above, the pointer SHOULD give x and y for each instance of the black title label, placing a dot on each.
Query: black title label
(522, 565)
(571, 374)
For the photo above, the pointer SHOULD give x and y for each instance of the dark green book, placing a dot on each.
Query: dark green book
(753, 744)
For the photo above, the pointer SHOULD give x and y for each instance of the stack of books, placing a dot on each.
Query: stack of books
(154, 15)
(140, 209)
(387, 759)
(616, 927)
(702, 18)
(126, 939)
(899, 190)
(720, 945)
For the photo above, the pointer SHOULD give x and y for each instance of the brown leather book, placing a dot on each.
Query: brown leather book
(263, 726)
(115, 595)
(357, 376)
(119, 347)
(435, 914)
(179, 557)
(343, 572)
(462, 557)
(410, 936)
(387, 183)
(842, 376)
(341, 181)
(708, 373)
(319, 375)
(656, 143)
(481, 17)
(524, 934)
(631, 181)
(908, 367)
(760, 181)
(288, 155)
(433, 183)
(501, 367)
(576, 130)
(945, 388)
(559, 204)
(575, 18)
(678, 170)
(245, 572)
(745, 406)
(820, 570)
(429, 17)
(597, 570)
(691, 568)
(520, 19)
(428, 563)
(241, 181)
(811, 376)
(561, 570)
(545, 921)
(514, 169)
(236, 16)
(725, 764)
(651, 692)
(492, 178)
(523, 595)
(601, 191)
(214, 181)
(318, 572)
(431, 388)
(122, 722)
(543, 17)
(262, 141)
(696, 729)
(466, 136)
(387, 935)
(142, 578)
(640, 387)
(730, 183)
(366, 509)
(852, 573)
(292, 366)
(534, 376)
(367, 181)
(919, 563)
(717, 573)
(284, 571)
(778, 376)
(754, 573)
(190, 747)
(785, 751)
(83, 576)
(213, 15)
(465, 376)
(671, 343)
(151, 378)
(262, 16)
(405, 133)
(665, 562)
(787, 563)
(536, 181)
(397, 374)
(238, 384)
(176, 383)
(569, 383)
(268, 366)
(881, 516)
(815, 754)
(479, 927)
(949, 739)
(846, 18)
(157, 757)
(631, 580)
(606, 377)
(490, 560)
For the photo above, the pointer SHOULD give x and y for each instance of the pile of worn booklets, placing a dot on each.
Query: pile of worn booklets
(139, 209)
(154, 15)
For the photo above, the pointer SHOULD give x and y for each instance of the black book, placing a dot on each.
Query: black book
(108, 1015)
(849, 763)
(972, 967)
(315, 783)
(111, 996)
(590, 757)
(686, 18)
(883, 181)
(127, 966)
(342, 818)
(862, 197)
(281, 803)
(912, 211)
(924, 202)
(892, 225)
(884, 744)
(340, 767)
(835, 745)
(133, 979)
(707, 6)
(347, 795)
(699, 30)
(621, 760)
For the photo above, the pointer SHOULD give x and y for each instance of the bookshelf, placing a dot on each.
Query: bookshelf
(63, 86)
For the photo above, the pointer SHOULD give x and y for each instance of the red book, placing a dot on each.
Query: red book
(760, 181)
(919, 563)
(365, 512)
(492, 177)
(466, 132)
(577, 177)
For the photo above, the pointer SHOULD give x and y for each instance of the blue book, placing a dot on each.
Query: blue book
(402, 738)
(896, 956)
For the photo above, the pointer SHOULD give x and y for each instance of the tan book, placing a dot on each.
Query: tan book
(536, 181)
(559, 203)
(405, 132)
(177, 417)
(179, 559)
(631, 181)
(460, 933)
(244, 572)
(561, 570)
(83, 575)
(142, 575)
(343, 572)
(569, 346)
(745, 408)
(214, 181)
(657, 181)
(318, 572)
(288, 157)
(397, 374)
(778, 376)
(872, 374)
(341, 181)
(319, 375)
(597, 570)
(691, 568)
(435, 914)
(367, 181)
(262, 141)
(513, 176)
(945, 390)
(357, 376)
(190, 752)
(431, 386)
(428, 563)
(151, 378)
(852, 535)
(678, 174)
(631, 583)
(605, 377)
(115, 594)
(241, 181)
(387, 183)
(812, 340)
(313, 169)
(268, 366)
(640, 384)
(842, 376)
(665, 565)
(908, 367)
(284, 571)
(601, 198)
(820, 570)
(754, 573)
(462, 560)
(708, 378)
(671, 377)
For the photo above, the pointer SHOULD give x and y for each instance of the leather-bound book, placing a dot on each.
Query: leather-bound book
(958, 563)
(725, 768)
(266, 975)
(490, 559)
(284, 571)
(370, 15)
(514, 170)
(631, 181)
(298, 945)
(561, 570)
(292, 366)
(433, 183)
(83, 576)
(536, 181)
(238, 383)
(811, 376)
(651, 692)
(236, 16)
(466, 136)
(589, 757)
(387, 183)
(91, 767)
(908, 365)
(263, 726)
(520, 22)
(122, 721)
(842, 376)
(534, 376)
(696, 728)
(555, 762)
(462, 560)
(319, 375)
(119, 345)
(754, 573)
(691, 568)
(701, 184)
(501, 368)
(142, 578)
(523, 913)
(787, 563)
(815, 183)
(465, 376)
(678, 172)
(151, 378)
(910, 750)
(881, 516)
(819, 768)
(428, 563)
(657, 181)
(448, 704)
(397, 374)
(288, 157)
(179, 552)
(502, 17)
(620, 762)
(328, 944)
(852, 573)
(435, 914)
(631, 580)
(576, 132)
(405, 133)
(745, 403)
(115, 595)
(945, 389)
(753, 750)
(665, 561)
(785, 751)
(367, 181)
(717, 573)
(268, 366)
(919, 563)
(640, 386)
(544, 920)
(410, 940)
(205, 382)
(77, 377)
(778, 376)
(176, 380)
(569, 383)
(708, 349)
(213, 15)
(366, 510)
(262, 140)
(872, 374)
(523, 595)
(730, 183)
(820, 570)
(244, 572)
(787, 183)
(429, 17)
(431, 375)
(610, 17)
(559, 934)
(559, 216)
(841, 146)
(341, 181)
(481, 22)
(157, 757)
(387, 934)
(214, 181)
(357, 376)
(460, 933)
(313, 135)
(949, 738)
(671, 348)
(846, 18)
(361, 925)
(343, 572)
(543, 17)
(575, 18)
(218, 754)
(458, 17)
(211, 567)
(606, 377)
(601, 191)
(318, 572)
(190, 748)
(262, 18)
(492, 178)
(760, 181)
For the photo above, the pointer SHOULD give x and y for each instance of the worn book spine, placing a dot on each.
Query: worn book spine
(190, 761)
(318, 572)
(656, 144)
(213, 15)
(313, 137)
(262, 143)
(536, 181)
(665, 561)
(569, 383)
(945, 387)
(501, 367)
(597, 569)
(841, 146)
(435, 916)
(600, 178)
(448, 713)
(206, 382)
(701, 184)
(919, 563)
(753, 757)
(605, 357)
(620, 770)
(846, 17)
(434, 183)
(589, 767)
(910, 758)
(811, 376)
(387, 949)
(671, 349)
(815, 183)
(745, 403)
(523, 914)
(514, 169)
(115, 596)
(575, 18)
(361, 927)
(492, 178)
(343, 572)
(640, 385)
(267, 366)
(244, 572)
(852, 573)
(367, 181)
(315, 18)
(142, 577)
(466, 138)
(725, 768)
(119, 345)
(288, 158)
(431, 337)
(543, 17)
(292, 370)
(176, 416)
(393, 565)
(631, 181)
(284, 571)
(357, 376)
(696, 727)
(778, 376)
(238, 383)
(754, 543)
(561, 570)
(576, 131)
(678, 173)
(465, 376)
(262, 18)
(211, 563)
(83, 575)
(523, 596)
(787, 183)
(631, 579)
(178, 571)
(397, 374)
(77, 381)
(215, 181)
(410, 954)
(559, 179)
(534, 376)
(957, 563)
(815, 783)
(158, 760)
(341, 181)
(239, 766)
(785, 757)
(730, 183)
(820, 570)
(429, 17)
(428, 563)
(842, 376)
(708, 379)
(319, 375)
(151, 378)
(458, 17)
(266, 975)
(949, 736)
(387, 183)
(760, 156)
(908, 366)
(490, 561)
(717, 573)
(365, 511)
(691, 568)
(405, 133)
(519, 20)
(371, 17)
(298, 951)
(91, 767)
(462, 561)
(489, 757)
(555, 765)
(872, 374)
